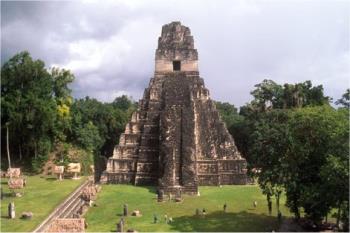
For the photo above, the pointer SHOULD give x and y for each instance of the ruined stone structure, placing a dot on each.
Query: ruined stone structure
(176, 139)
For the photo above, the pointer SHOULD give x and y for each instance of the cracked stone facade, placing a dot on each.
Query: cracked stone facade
(176, 139)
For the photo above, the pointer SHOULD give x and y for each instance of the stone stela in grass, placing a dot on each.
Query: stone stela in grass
(74, 168)
(11, 210)
(16, 181)
(120, 226)
(176, 138)
(125, 210)
(58, 170)
(160, 196)
(13, 172)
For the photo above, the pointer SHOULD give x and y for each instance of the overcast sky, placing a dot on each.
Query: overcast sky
(110, 45)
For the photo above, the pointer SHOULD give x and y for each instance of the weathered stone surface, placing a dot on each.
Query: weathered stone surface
(27, 215)
(125, 210)
(176, 44)
(13, 172)
(92, 169)
(136, 213)
(120, 226)
(11, 210)
(160, 195)
(89, 193)
(67, 225)
(58, 169)
(82, 211)
(74, 168)
(15, 183)
(18, 195)
(176, 138)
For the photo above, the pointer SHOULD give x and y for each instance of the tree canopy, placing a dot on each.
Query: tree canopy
(39, 114)
(299, 145)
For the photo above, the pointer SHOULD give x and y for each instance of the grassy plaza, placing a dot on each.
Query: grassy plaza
(240, 215)
(40, 196)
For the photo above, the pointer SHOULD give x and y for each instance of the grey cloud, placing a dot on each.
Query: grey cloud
(110, 45)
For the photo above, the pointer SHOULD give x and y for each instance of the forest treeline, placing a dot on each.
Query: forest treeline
(295, 142)
(41, 121)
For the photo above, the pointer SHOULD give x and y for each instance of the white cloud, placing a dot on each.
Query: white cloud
(89, 55)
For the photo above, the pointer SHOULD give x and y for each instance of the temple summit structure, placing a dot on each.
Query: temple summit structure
(176, 139)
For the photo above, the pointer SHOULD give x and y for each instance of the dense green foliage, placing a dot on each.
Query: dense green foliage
(345, 100)
(96, 126)
(296, 142)
(270, 95)
(228, 113)
(34, 106)
(294, 149)
(41, 117)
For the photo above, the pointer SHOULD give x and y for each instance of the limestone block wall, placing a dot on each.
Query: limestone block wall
(167, 65)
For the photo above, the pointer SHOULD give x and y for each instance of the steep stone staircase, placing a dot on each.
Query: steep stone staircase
(69, 208)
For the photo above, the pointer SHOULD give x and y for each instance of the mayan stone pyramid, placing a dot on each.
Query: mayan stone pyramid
(176, 139)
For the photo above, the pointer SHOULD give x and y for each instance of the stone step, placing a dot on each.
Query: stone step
(150, 129)
(148, 148)
(145, 180)
(132, 128)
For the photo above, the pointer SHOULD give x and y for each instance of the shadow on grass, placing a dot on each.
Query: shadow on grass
(224, 222)
(151, 189)
(51, 178)
(8, 195)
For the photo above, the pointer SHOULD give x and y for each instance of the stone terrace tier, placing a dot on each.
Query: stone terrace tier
(176, 139)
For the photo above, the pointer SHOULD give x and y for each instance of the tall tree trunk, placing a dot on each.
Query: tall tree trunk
(338, 214)
(295, 208)
(294, 205)
(7, 145)
(269, 203)
(297, 213)
(20, 152)
(278, 195)
(35, 150)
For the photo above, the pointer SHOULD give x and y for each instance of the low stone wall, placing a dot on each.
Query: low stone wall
(72, 208)
(67, 225)
(189, 190)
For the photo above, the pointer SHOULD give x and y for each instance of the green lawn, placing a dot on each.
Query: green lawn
(41, 196)
(241, 215)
